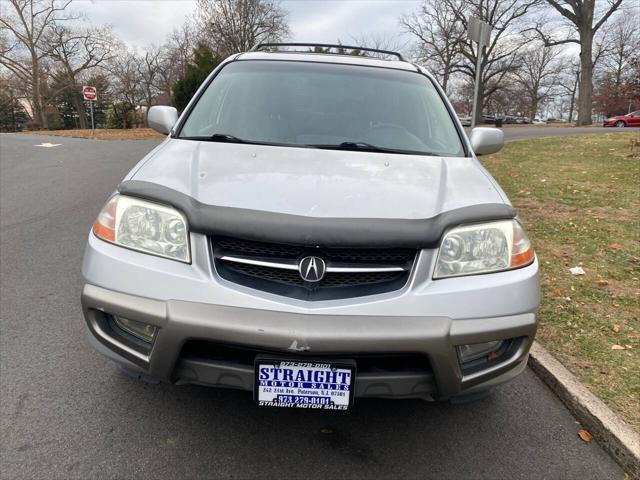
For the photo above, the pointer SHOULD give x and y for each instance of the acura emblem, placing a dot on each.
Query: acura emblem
(312, 269)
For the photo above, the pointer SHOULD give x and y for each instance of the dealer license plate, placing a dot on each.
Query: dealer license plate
(304, 384)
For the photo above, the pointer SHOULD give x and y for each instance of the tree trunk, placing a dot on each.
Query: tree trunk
(39, 121)
(82, 113)
(445, 80)
(585, 91)
(533, 109)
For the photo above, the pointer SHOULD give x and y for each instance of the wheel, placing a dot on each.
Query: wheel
(620, 124)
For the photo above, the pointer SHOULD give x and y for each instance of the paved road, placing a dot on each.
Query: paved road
(66, 412)
(526, 133)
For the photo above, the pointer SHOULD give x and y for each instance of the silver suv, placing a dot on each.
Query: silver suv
(315, 227)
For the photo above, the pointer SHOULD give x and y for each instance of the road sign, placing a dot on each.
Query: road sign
(479, 31)
(89, 93)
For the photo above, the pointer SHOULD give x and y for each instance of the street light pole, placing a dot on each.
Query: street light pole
(476, 87)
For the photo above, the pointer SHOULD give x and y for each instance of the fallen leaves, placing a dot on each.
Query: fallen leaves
(617, 347)
(585, 436)
(104, 133)
(616, 328)
(603, 283)
(615, 246)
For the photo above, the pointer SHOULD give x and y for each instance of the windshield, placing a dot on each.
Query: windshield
(324, 106)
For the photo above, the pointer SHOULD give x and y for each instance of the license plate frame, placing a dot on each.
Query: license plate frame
(340, 366)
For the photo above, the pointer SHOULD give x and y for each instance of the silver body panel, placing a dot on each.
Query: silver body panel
(426, 316)
(319, 183)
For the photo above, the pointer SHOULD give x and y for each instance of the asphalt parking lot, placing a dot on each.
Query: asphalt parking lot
(66, 412)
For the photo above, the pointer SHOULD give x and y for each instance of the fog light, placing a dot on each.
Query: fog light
(141, 330)
(474, 351)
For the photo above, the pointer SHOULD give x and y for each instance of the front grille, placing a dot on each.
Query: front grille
(377, 363)
(288, 282)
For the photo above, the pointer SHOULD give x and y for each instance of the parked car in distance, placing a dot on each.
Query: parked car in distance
(513, 119)
(465, 120)
(537, 121)
(315, 228)
(489, 119)
(629, 120)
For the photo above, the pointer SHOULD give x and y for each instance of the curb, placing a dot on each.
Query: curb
(612, 433)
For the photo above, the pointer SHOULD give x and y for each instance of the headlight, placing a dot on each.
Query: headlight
(483, 248)
(144, 226)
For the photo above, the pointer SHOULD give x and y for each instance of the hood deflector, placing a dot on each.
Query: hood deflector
(315, 231)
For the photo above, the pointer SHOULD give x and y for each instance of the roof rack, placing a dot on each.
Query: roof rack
(264, 46)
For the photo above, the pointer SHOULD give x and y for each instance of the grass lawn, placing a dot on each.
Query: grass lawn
(579, 198)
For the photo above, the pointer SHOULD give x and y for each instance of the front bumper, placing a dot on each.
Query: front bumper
(426, 318)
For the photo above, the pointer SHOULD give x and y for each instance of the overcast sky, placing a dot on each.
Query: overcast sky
(143, 22)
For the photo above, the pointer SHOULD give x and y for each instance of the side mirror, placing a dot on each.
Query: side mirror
(485, 141)
(162, 118)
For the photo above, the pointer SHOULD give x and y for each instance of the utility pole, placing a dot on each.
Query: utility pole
(479, 32)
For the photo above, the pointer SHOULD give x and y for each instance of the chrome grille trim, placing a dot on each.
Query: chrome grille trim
(281, 264)
(331, 268)
(274, 268)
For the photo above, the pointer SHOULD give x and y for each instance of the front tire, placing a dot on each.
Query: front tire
(620, 124)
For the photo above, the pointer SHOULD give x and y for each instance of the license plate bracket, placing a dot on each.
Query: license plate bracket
(308, 383)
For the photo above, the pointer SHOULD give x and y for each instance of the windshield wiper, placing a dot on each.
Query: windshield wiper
(352, 146)
(219, 137)
(225, 137)
(367, 147)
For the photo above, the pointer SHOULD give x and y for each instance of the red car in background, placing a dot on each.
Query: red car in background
(629, 120)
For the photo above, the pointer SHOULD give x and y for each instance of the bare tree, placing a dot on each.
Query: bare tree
(586, 20)
(174, 57)
(378, 41)
(623, 40)
(570, 84)
(149, 68)
(127, 92)
(508, 19)
(22, 48)
(231, 26)
(614, 74)
(77, 51)
(537, 75)
(177, 53)
(440, 35)
(180, 48)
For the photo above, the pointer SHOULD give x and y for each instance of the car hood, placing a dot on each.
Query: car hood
(318, 183)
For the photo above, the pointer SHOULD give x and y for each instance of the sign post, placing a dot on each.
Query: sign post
(479, 32)
(90, 94)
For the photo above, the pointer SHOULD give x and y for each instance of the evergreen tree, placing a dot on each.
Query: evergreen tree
(204, 61)
(13, 116)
